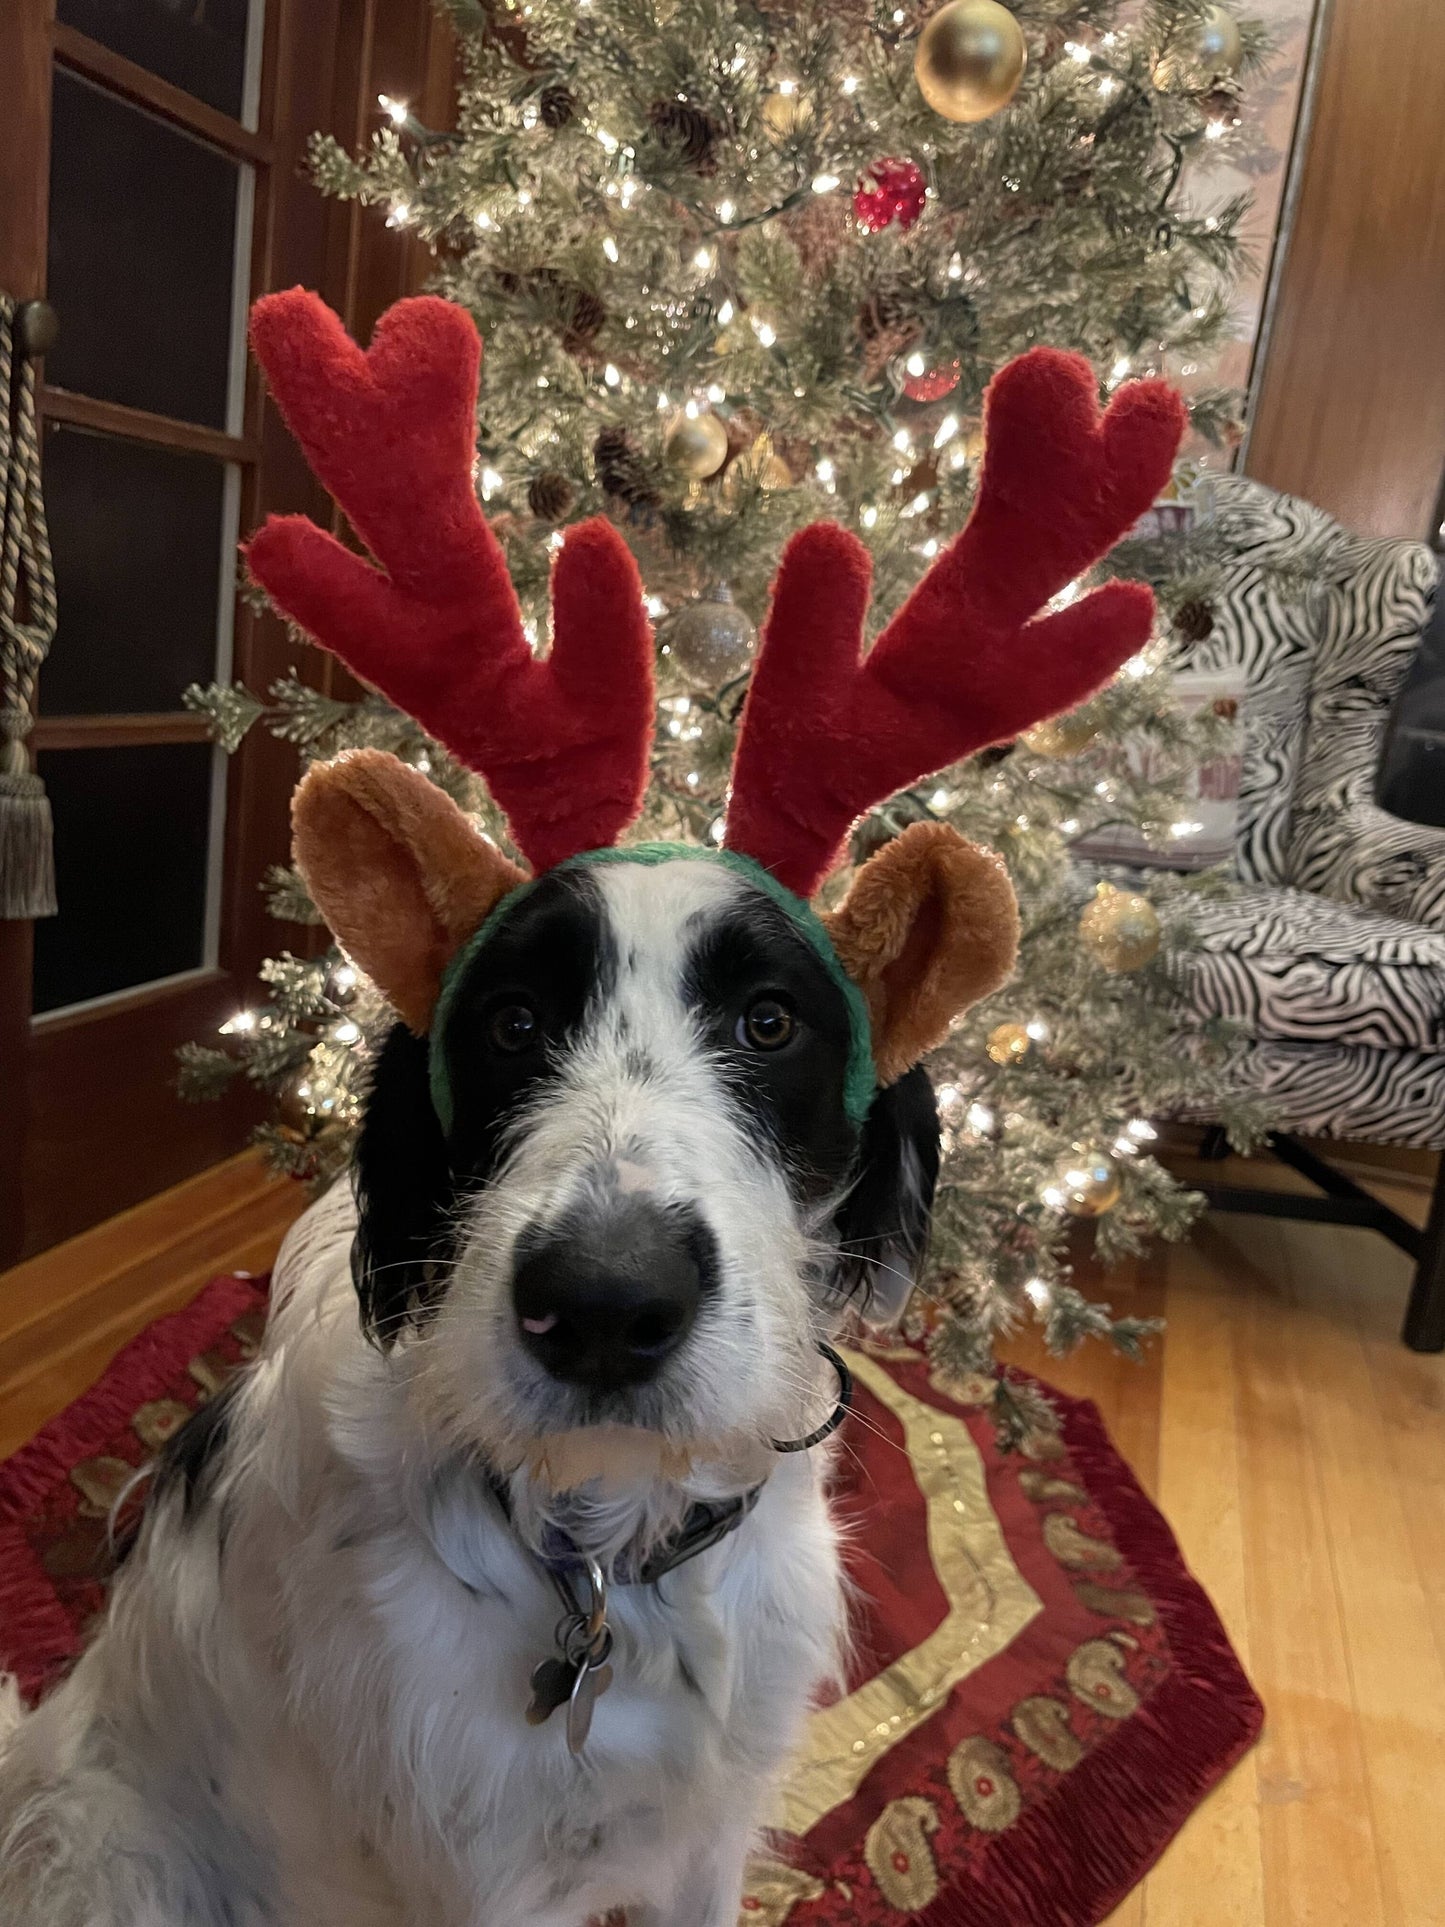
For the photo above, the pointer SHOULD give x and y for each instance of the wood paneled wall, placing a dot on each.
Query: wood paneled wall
(1350, 410)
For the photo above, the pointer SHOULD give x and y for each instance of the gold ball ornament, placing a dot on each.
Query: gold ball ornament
(1061, 736)
(695, 445)
(786, 112)
(1119, 929)
(1211, 50)
(1217, 44)
(711, 638)
(1008, 1043)
(1089, 1180)
(970, 59)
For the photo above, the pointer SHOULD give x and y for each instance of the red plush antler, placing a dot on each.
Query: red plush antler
(827, 733)
(563, 742)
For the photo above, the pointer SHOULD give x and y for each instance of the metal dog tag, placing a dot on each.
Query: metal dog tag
(553, 1682)
(591, 1683)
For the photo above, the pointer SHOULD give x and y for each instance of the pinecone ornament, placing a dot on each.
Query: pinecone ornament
(685, 127)
(1194, 620)
(550, 495)
(557, 104)
(884, 311)
(622, 471)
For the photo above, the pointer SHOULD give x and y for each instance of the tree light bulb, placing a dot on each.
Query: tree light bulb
(725, 314)
(725, 210)
(484, 221)
(869, 517)
(787, 88)
(902, 441)
(491, 482)
(346, 1032)
(824, 183)
(939, 800)
(1108, 85)
(1076, 50)
(1214, 130)
(716, 393)
(655, 606)
(607, 141)
(396, 109)
(850, 83)
(1141, 1130)
(959, 458)
(702, 260)
(979, 1118)
(1038, 1030)
(609, 248)
(825, 470)
(1038, 1292)
(945, 431)
(1053, 1197)
(241, 1025)
(400, 214)
(691, 410)
(611, 375)
(916, 365)
(765, 334)
(1120, 368)
(930, 548)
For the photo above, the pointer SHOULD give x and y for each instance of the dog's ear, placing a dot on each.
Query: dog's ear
(404, 1191)
(400, 875)
(930, 926)
(883, 1222)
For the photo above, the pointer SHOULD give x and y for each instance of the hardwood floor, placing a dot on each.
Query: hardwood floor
(1296, 1447)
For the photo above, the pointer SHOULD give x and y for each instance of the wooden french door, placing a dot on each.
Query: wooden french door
(151, 182)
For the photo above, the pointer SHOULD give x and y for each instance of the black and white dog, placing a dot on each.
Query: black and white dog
(587, 1317)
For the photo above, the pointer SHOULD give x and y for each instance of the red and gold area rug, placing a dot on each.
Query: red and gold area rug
(1040, 1694)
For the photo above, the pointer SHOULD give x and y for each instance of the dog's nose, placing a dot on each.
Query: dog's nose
(602, 1302)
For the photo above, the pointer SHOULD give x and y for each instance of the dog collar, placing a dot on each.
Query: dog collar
(579, 1672)
(861, 1080)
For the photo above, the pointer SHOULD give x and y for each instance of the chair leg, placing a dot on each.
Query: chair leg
(1425, 1316)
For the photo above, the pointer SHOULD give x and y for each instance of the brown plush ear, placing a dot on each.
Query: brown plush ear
(930, 926)
(397, 871)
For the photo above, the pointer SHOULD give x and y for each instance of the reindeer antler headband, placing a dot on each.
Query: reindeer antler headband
(563, 741)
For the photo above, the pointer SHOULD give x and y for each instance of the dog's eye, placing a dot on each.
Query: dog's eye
(514, 1028)
(766, 1025)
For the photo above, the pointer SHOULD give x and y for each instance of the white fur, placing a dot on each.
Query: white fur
(305, 1708)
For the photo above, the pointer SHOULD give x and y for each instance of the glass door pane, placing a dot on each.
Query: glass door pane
(146, 224)
(144, 540)
(132, 856)
(199, 45)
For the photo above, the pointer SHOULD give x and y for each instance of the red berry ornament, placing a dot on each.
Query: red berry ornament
(891, 190)
(933, 384)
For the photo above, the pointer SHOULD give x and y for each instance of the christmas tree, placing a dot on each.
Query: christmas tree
(740, 268)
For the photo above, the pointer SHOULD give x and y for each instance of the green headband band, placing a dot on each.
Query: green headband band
(861, 1080)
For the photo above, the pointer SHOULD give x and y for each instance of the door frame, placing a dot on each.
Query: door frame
(90, 1121)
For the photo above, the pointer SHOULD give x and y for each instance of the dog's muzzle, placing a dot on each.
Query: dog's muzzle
(605, 1297)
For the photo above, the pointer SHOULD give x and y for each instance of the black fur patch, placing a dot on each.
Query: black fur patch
(794, 1094)
(884, 1220)
(553, 953)
(190, 1460)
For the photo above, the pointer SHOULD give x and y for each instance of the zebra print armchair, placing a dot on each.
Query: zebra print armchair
(1332, 955)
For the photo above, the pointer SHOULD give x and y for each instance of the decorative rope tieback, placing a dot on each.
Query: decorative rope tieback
(27, 622)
